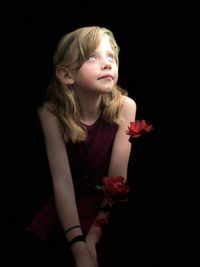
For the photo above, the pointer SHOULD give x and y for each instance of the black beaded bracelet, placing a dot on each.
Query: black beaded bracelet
(77, 239)
(69, 229)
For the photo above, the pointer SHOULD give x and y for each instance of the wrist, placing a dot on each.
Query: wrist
(78, 238)
(94, 234)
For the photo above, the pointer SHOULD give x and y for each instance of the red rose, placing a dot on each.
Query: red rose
(138, 128)
(115, 189)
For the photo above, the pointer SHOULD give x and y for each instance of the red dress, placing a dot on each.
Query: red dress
(89, 161)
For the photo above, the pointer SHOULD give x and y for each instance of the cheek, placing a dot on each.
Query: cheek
(83, 77)
(116, 75)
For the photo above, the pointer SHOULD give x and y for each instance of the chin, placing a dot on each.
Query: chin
(107, 90)
(104, 90)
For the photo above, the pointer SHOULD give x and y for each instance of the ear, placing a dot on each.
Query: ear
(64, 75)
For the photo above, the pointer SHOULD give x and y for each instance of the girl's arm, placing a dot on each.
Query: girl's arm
(119, 158)
(62, 184)
(122, 147)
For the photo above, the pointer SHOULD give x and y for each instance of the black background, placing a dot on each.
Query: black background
(151, 40)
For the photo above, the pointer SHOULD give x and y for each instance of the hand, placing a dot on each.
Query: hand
(92, 239)
(86, 262)
(91, 245)
(82, 256)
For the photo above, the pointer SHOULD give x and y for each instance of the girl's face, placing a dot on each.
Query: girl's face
(99, 73)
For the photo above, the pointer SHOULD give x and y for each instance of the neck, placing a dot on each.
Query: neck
(90, 107)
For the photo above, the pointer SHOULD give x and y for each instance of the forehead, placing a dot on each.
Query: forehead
(105, 43)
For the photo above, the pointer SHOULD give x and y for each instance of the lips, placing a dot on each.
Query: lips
(106, 76)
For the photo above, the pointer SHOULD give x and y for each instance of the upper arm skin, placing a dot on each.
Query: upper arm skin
(122, 147)
(55, 146)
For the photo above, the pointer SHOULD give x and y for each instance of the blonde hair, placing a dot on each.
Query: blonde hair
(72, 50)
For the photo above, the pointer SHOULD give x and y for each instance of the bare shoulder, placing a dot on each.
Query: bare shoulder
(48, 120)
(128, 106)
(45, 114)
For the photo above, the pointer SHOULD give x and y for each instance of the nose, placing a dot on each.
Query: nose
(106, 64)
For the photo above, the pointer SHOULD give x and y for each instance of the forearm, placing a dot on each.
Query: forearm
(67, 212)
(66, 207)
(101, 218)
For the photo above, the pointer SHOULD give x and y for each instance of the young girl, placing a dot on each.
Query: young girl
(84, 120)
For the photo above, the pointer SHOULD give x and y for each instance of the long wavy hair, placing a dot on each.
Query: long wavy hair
(72, 50)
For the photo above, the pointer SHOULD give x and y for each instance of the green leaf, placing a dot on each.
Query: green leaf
(99, 187)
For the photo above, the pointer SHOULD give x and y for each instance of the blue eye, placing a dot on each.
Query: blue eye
(111, 57)
(92, 58)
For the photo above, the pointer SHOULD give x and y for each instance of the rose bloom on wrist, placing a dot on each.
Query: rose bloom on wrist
(115, 190)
